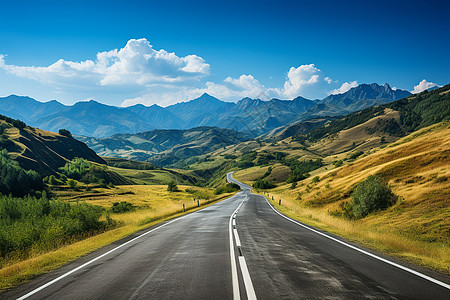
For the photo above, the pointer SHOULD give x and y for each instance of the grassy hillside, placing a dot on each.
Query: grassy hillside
(416, 227)
(416, 111)
(40, 150)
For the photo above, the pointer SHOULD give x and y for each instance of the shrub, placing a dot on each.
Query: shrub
(338, 163)
(15, 180)
(263, 184)
(72, 183)
(65, 132)
(40, 223)
(121, 207)
(371, 195)
(172, 187)
(356, 155)
(228, 188)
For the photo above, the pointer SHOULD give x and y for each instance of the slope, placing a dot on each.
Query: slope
(40, 150)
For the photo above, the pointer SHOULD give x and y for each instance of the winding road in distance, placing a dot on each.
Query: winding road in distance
(239, 248)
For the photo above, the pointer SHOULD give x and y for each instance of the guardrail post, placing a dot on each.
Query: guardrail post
(295, 208)
(198, 203)
(279, 202)
(184, 209)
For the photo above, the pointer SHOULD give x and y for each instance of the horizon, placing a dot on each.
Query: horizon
(164, 54)
(205, 93)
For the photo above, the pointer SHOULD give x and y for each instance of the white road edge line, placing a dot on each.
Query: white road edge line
(247, 280)
(93, 260)
(360, 250)
(99, 257)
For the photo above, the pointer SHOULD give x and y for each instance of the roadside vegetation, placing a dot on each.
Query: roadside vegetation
(80, 222)
(395, 199)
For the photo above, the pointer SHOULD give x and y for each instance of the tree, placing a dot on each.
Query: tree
(72, 183)
(65, 132)
(371, 195)
(172, 187)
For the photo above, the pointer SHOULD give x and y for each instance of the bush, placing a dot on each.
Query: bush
(263, 184)
(371, 195)
(356, 155)
(228, 188)
(65, 132)
(121, 207)
(40, 223)
(15, 180)
(172, 187)
(72, 183)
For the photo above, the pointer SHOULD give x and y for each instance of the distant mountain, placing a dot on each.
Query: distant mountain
(247, 115)
(28, 109)
(164, 147)
(366, 95)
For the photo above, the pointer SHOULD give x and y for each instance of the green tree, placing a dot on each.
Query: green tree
(172, 187)
(65, 132)
(371, 195)
(72, 183)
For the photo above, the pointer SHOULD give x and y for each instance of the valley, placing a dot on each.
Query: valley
(309, 170)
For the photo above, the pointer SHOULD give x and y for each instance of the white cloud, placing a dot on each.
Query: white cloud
(346, 86)
(135, 64)
(328, 80)
(298, 79)
(422, 86)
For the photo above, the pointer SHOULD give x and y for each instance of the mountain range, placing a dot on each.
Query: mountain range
(254, 116)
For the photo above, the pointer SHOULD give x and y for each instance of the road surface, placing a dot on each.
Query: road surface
(238, 248)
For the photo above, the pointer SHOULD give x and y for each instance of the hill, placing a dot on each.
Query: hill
(164, 147)
(40, 150)
(253, 116)
(415, 167)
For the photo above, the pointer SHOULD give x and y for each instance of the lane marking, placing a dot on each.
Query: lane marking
(234, 273)
(247, 280)
(447, 286)
(105, 254)
(236, 236)
(243, 265)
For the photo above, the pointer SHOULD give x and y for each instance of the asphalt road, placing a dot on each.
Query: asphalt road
(238, 248)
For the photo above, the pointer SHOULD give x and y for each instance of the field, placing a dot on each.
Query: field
(416, 228)
(153, 204)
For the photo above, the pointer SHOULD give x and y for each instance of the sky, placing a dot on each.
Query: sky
(162, 52)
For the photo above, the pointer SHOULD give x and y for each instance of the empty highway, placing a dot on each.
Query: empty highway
(239, 248)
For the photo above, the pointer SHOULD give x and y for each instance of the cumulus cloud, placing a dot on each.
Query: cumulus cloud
(346, 86)
(328, 80)
(298, 79)
(135, 64)
(422, 86)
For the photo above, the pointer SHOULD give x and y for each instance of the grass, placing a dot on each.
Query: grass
(154, 205)
(416, 228)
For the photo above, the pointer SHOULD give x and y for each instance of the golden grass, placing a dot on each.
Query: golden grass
(357, 136)
(416, 228)
(155, 204)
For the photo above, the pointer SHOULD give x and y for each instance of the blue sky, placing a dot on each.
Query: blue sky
(128, 52)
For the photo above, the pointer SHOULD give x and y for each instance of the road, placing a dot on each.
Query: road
(238, 248)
